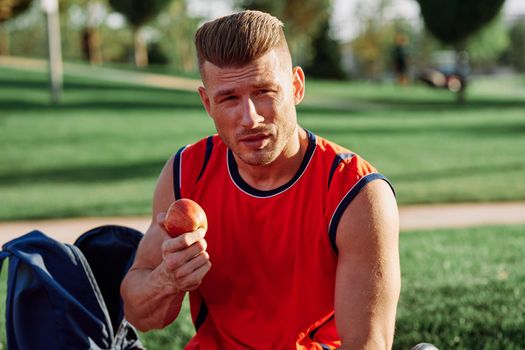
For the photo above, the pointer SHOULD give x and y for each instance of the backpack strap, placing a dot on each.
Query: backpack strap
(110, 251)
(3, 256)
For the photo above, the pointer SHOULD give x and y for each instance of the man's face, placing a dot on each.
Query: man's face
(253, 106)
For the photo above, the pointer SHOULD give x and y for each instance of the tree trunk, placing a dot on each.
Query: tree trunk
(91, 36)
(91, 45)
(462, 70)
(141, 49)
(4, 41)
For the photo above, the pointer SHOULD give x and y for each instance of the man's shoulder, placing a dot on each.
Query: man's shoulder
(330, 148)
(343, 163)
(206, 144)
(191, 161)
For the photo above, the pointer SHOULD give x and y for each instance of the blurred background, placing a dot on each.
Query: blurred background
(96, 95)
(341, 39)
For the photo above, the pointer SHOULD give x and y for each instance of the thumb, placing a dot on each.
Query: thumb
(161, 217)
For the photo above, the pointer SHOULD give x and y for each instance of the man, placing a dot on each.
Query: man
(302, 238)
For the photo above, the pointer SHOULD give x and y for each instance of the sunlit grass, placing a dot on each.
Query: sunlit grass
(100, 151)
(462, 289)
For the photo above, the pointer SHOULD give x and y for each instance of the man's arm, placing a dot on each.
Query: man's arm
(368, 274)
(164, 268)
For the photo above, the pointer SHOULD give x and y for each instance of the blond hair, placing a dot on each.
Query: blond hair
(237, 39)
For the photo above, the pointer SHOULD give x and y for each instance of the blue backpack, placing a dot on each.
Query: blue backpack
(63, 296)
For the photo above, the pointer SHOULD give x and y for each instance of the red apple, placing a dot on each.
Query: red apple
(184, 215)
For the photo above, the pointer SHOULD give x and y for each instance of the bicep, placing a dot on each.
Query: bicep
(149, 254)
(368, 273)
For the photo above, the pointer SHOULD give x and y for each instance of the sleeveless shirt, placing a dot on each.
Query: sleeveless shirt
(273, 253)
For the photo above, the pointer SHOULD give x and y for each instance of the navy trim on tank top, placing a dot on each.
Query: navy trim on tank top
(239, 181)
(347, 199)
(207, 155)
(337, 160)
(176, 173)
(312, 333)
(201, 316)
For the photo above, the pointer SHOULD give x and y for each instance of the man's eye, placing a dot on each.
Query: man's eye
(228, 98)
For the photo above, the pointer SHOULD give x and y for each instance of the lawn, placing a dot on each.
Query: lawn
(462, 289)
(100, 151)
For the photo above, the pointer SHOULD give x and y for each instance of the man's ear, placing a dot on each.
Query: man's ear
(204, 98)
(298, 82)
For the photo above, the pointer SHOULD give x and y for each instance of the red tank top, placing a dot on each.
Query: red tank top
(273, 253)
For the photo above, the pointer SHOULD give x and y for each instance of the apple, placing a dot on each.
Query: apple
(184, 215)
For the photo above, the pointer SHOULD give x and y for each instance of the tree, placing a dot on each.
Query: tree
(302, 20)
(176, 29)
(12, 8)
(452, 22)
(90, 35)
(369, 49)
(82, 21)
(517, 47)
(137, 13)
(326, 61)
(372, 48)
(487, 45)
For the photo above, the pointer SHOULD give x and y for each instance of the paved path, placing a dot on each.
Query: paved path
(411, 217)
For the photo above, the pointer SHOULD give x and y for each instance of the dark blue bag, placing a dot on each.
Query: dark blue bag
(63, 296)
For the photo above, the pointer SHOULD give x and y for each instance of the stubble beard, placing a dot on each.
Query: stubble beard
(259, 157)
(271, 151)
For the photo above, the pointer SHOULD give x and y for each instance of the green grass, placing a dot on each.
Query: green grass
(100, 151)
(462, 289)
(431, 148)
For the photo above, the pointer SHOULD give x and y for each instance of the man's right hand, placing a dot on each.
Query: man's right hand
(185, 261)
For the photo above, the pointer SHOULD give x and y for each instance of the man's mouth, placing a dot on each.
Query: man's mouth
(256, 141)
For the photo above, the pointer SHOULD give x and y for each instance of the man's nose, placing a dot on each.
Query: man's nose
(250, 117)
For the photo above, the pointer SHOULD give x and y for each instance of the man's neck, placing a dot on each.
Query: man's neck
(281, 170)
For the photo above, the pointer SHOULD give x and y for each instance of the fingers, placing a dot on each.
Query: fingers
(193, 265)
(186, 260)
(189, 276)
(182, 242)
(177, 258)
